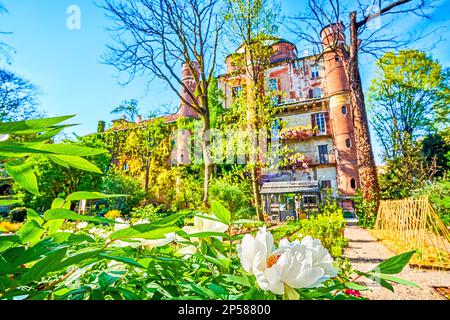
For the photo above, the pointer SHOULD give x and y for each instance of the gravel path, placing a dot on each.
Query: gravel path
(365, 252)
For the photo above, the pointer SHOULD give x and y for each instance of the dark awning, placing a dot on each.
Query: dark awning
(290, 187)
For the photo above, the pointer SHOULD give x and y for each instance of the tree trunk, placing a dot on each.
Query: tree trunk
(366, 162)
(256, 197)
(206, 142)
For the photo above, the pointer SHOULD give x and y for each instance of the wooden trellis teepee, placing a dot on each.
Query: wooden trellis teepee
(412, 224)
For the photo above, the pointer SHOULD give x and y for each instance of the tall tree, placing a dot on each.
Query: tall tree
(368, 34)
(409, 99)
(128, 108)
(5, 49)
(153, 38)
(253, 25)
(18, 98)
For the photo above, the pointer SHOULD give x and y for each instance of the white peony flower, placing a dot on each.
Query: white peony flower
(205, 225)
(296, 265)
(136, 242)
(320, 255)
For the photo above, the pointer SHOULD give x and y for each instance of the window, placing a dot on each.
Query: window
(273, 84)
(236, 91)
(323, 154)
(344, 110)
(316, 93)
(311, 200)
(325, 184)
(348, 143)
(314, 72)
(321, 123)
(126, 167)
(353, 183)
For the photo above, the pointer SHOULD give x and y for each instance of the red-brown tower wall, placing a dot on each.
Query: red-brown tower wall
(337, 86)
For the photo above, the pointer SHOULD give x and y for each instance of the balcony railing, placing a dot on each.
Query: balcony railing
(301, 161)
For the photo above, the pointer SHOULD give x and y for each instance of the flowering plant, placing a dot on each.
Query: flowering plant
(298, 133)
(158, 260)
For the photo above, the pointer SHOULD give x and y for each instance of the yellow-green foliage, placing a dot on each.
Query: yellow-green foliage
(113, 214)
(329, 229)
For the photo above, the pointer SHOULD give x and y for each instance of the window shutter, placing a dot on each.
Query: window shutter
(328, 122)
(313, 121)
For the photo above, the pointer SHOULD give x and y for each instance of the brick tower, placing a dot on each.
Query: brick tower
(337, 86)
(186, 112)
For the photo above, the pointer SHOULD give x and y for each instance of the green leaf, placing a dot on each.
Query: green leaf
(19, 126)
(290, 293)
(68, 237)
(393, 265)
(30, 232)
(202, 291)
(33, 215)
(70, 150)
(125, 260)
(139, 231)
(222, 213)
(64, 214)
(23, 174)
(375, 277)
(82, 195)
(7, 242)
(17, 150)
(8, 202)
(12, 259)
(79, 257)
(106, 280)
(243, 281)
(44, 267)
(396, 280)
(143, 231)
(75, 162)
(60, 203)
(53, 226)
(355, 286)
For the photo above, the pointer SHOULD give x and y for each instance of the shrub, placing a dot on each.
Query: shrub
(329, 229)
(113, 214)
(231, 197)
(438, 193)
(117, 183)
(365, 210)
(18, 214)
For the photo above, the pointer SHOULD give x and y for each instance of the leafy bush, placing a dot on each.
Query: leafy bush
(232, 197)
(327, 226)
(116, 182)
(113, 214)
(438, 193)
(366, 211)
(329, 229)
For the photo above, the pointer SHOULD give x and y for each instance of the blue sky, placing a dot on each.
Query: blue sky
(65, 63)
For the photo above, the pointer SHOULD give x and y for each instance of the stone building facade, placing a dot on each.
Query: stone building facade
(314, 109)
